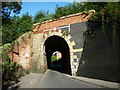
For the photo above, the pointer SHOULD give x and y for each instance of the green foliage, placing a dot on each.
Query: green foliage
(9, 7)
(51, 16)
(95, 16)
(24, 24)
(85, 12)
(53, 58)
(39, 16)
(107, 12)
(110, 16)
(11, 71)
(75, 7)
(71, 8)
(9, 32)
(33, 71)
(15, 27)
(66, 10)
(5, 46)
(65, 33)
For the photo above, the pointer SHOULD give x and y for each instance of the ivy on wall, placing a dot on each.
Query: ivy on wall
(109, 15)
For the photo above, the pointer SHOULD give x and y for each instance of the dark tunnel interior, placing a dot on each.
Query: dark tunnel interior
(57, 43)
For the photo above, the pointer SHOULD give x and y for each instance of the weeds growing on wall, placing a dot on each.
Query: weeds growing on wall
(65, 33)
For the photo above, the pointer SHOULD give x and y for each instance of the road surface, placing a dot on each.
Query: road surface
(54, 79)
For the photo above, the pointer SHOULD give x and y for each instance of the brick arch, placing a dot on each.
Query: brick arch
(70, 44)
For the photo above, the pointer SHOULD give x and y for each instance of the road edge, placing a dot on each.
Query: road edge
(102, 83)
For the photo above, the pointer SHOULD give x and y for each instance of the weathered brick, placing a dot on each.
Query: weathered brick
(61, 22)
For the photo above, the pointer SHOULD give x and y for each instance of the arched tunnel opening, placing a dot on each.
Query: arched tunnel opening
(58, 44)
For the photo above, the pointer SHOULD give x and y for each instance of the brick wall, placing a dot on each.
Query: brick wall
(61, 22)
(22, 50)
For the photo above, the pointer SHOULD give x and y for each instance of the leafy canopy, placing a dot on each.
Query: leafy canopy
(9, 7)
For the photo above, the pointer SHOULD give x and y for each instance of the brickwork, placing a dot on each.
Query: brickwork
(22, 50)
(61, 22)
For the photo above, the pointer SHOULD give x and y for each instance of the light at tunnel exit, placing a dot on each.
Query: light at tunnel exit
(56, 56)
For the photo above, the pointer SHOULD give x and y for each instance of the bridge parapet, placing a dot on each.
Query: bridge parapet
(54, 25)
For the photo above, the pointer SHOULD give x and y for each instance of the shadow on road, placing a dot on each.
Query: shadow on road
(56, 66)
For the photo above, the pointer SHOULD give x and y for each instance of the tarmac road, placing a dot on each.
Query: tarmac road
(54, 79)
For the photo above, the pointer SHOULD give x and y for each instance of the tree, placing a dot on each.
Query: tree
(9, 31)
(39, 16)
(24, 24)
(8, 24)
(9, 7)
(16, 27)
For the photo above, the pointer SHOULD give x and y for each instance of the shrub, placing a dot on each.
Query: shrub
(11, 71)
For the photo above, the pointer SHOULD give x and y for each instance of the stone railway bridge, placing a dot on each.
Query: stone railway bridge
(89, 57)
(64, 35)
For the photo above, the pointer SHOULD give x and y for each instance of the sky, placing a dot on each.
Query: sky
(51, 0)
(33, 7)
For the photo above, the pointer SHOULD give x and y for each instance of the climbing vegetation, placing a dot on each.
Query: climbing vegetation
(109, 15)
(11, 71)
(65, 33)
